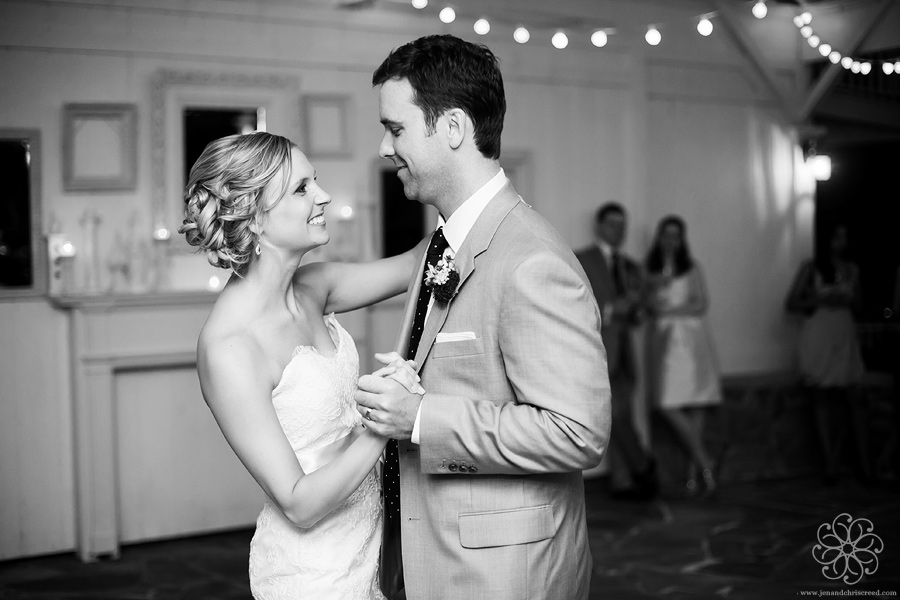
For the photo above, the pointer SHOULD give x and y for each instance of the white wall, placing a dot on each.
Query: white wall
(686, 127)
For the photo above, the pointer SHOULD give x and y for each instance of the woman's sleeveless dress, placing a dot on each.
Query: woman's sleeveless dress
(337, 559)
(683, 365)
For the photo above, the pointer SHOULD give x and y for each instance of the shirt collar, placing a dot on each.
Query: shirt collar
(606, 249)
(457, 227)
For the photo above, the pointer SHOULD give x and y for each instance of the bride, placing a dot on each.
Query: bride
(278, 371)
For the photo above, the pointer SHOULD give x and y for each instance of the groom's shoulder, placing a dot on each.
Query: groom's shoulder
(528, 231)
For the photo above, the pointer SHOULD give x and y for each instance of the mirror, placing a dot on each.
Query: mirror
(176, 94)
(23, 270)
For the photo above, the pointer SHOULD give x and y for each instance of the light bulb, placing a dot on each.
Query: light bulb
(599, 38)
(798, 21)
(855, 67)
(213, 283)
(897, 67)
(346, 211)
(521, 35)
(865, 68)
(806, 31)
(807, 17)
(813, 40)
(888, 68)
(653, 36)
(704, 27)
(834, 57)
(447, 15)
(760, 10)
(482, 27)
(560, 40)
(846, 62)
(825, 49)
(420, 4)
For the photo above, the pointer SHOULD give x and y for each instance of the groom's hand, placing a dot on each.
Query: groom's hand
(387, 407)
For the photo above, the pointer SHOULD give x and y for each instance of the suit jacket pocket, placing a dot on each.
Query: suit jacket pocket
(458, 348)
(506, 527)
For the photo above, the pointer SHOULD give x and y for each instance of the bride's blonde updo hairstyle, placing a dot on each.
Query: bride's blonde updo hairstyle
(224, 196)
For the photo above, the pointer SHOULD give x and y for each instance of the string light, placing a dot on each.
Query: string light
(704, 27)
(600, 37)
(760, 10)
(521, 35)
(447, 15)
(560, 40)
(863, 67)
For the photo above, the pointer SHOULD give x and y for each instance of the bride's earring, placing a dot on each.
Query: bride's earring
(257, 249)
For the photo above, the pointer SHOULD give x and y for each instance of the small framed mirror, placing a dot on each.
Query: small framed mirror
(23, 265)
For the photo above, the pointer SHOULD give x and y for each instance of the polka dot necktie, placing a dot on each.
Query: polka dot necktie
(391, 550)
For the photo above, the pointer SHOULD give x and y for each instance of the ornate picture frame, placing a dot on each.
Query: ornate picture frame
(99, 147)
(326, 131)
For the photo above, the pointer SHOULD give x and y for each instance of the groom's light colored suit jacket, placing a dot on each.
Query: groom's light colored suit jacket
(492, 499)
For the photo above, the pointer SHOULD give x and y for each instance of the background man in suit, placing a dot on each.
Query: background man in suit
(507, 347)
(617, 282)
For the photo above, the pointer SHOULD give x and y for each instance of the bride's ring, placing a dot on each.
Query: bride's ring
(368, 414)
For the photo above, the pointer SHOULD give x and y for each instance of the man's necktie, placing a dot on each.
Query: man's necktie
(391, 550)
(617, 273)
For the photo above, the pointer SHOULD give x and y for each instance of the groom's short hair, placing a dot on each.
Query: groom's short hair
(446, 72)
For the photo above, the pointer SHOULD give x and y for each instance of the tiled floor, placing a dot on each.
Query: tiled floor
(752, 540)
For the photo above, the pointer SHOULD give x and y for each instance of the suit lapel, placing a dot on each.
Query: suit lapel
(476, 242)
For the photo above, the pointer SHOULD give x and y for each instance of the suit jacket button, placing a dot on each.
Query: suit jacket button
(463, 468)
(473, 469)
(453, 467)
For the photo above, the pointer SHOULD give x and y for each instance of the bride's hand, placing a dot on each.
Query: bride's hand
(400, 370)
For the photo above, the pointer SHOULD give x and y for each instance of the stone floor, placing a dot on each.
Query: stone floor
(752, 540)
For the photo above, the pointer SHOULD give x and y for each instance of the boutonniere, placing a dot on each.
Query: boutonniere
(443, 278)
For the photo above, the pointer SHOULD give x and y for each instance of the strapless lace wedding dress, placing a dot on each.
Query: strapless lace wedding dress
(337, 559)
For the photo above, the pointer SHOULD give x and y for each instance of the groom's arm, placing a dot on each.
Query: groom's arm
(549, 337)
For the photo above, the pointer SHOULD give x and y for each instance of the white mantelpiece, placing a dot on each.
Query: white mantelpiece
(109, 335)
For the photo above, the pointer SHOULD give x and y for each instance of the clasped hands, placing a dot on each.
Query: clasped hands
(389, 398)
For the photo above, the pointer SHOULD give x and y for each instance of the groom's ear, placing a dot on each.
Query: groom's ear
(457, 124)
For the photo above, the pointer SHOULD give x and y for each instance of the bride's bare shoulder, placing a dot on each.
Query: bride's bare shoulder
(227, 330)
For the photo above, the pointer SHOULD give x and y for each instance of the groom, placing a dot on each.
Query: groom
(505, 331)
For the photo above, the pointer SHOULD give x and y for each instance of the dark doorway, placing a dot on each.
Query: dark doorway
(16, 261)
(863, 194)
(402, 220)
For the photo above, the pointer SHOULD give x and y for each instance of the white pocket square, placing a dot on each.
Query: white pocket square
(454, 337)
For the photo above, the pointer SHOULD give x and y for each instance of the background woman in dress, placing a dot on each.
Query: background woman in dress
(279, 372)
(827, 292)
(683, 371)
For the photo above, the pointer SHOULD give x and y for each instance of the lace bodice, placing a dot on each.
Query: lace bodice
(314, 399)
(337, 559)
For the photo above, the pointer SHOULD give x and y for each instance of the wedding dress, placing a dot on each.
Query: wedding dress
(336, 559)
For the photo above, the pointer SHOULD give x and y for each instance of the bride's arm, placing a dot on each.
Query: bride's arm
(240, 399)
(343, 287)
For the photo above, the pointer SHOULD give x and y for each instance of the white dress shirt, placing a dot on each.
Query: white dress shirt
(456, 228)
